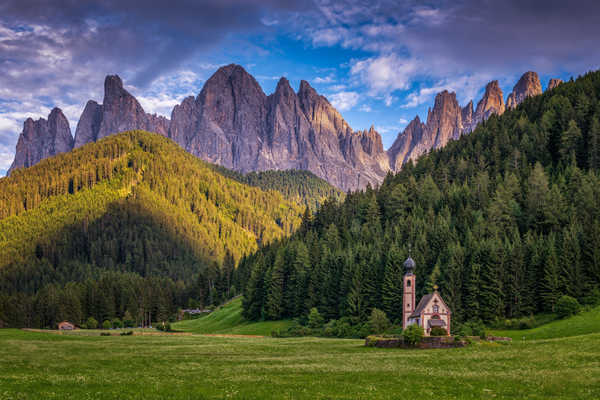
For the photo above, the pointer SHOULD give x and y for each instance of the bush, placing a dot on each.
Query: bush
(106, 324)
(116, 323)
(164, 326)
(567, 306)
(91, 323)
(438, 331)
(104, 334)
(315, 320)
(473, 328)
(128, 321)
(413, 334)
(379, 321)
(83, 326)
(526, 323)
(128, 333)
(592, 298)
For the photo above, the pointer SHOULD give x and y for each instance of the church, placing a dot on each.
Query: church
(431, 311)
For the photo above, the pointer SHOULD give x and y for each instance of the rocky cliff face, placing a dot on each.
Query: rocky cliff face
(42, 139)
(491, 103)
(407, 144)
(554, 82)
(528, 85)
(119, 112)
(234, 124)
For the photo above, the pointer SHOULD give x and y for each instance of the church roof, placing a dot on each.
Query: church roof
(422, 304)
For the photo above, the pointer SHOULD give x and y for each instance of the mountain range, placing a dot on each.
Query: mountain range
(233, 123)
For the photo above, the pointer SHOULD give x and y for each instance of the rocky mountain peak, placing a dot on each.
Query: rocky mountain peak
(467, 117)
(554, 82)
(528, 85)
(112, 85)
(42, 139)
(407, 141)
(491, 103)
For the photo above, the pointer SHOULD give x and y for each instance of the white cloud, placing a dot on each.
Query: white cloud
(467, 87)
(344, 100)
(365, 108)
(385, 74)
(385, 129)
(327, 79)
(269, 22)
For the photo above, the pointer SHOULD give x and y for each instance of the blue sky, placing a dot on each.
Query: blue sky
(379, 62)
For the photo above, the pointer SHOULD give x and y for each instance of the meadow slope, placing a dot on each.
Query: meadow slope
(228, 319)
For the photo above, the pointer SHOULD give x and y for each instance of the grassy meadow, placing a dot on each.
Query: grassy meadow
(228, 320)
(580, 324)
(49, 366)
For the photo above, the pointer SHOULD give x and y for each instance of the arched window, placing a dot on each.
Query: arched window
(436, 308)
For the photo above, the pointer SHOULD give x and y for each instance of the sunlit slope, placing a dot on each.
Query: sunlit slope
(228, 320)
(581, 324)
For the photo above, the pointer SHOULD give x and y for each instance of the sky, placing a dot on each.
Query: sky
(379, 62)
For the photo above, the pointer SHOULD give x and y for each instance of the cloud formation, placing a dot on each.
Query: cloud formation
(450, 40)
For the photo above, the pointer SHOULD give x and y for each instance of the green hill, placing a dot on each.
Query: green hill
(504, 220)
(300, 186)
(581, 324)
(129, 207)
(228, 319)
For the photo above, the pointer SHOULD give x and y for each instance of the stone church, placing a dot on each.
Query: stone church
(431, 311)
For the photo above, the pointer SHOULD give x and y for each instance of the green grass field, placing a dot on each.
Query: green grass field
(581, 324)
(48, 366)
(228, 320)
(560, 360)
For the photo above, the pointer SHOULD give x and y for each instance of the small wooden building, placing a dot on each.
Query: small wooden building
(65, 326)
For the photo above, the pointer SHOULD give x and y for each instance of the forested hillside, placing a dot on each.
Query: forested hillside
(505, 220)
(300, 186)
(130, 223)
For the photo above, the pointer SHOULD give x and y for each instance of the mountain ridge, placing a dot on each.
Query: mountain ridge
(233, 123)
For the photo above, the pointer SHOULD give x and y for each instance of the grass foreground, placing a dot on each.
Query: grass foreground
(228, 319)
(46, 366)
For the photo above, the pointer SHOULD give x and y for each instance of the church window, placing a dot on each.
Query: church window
(436, 308)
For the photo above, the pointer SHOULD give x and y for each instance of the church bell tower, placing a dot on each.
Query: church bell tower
(408, 296)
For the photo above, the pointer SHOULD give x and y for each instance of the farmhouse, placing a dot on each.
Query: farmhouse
(65, 326)
(431, 311)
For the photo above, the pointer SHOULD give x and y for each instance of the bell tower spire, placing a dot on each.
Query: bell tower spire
(408, 296)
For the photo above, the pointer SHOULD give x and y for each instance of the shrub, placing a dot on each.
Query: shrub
(164, 326)
(363, 330)
(106, 324)
(128, 321)
(526, 323)
(104, 334)
(344, 330)
(315, 320)
(128, 333)
(472, 328)
(91, 323)
(379, 321)
(567, 306)
(592, 298)
(83, 326)
(116, 323)
(413, 334)
(438, 331)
